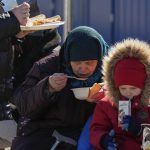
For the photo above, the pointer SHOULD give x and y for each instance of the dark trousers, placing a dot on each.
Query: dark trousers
(40, 140)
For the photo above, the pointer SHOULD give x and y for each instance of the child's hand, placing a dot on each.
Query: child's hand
(129, 124)
(108, 142)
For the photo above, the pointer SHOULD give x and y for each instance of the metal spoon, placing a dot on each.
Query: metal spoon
(73, 77)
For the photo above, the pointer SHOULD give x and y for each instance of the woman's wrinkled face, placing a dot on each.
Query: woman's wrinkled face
(84, 69)
(129, 91)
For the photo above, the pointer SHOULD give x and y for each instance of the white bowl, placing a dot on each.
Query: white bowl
(81, 93)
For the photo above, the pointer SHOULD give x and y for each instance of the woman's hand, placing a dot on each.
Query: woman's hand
(57, 82)
(22, 34)
(93, 98)
(96, 93)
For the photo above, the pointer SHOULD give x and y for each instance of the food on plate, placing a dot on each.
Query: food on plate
(40, 22)
(46, 20)
(41, 16)
(41, 19)
(94, 89)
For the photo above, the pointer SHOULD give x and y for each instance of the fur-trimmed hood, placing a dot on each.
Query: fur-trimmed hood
(127, 48)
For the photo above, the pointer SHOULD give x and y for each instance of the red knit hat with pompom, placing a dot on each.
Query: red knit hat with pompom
(130, 71)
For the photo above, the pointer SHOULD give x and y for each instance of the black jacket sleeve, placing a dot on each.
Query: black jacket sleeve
(9, 25)
(29, 97)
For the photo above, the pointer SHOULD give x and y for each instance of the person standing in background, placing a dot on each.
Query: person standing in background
(9, 26)
(36, 45)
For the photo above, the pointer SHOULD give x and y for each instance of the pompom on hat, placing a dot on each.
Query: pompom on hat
(130, 71)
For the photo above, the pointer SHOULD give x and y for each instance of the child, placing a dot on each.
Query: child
(126, 72)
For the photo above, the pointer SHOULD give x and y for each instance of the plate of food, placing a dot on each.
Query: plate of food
(40, 22)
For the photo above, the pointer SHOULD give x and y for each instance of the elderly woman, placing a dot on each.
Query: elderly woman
(51, 116)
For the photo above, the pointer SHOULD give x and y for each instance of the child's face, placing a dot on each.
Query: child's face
(129, 91)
